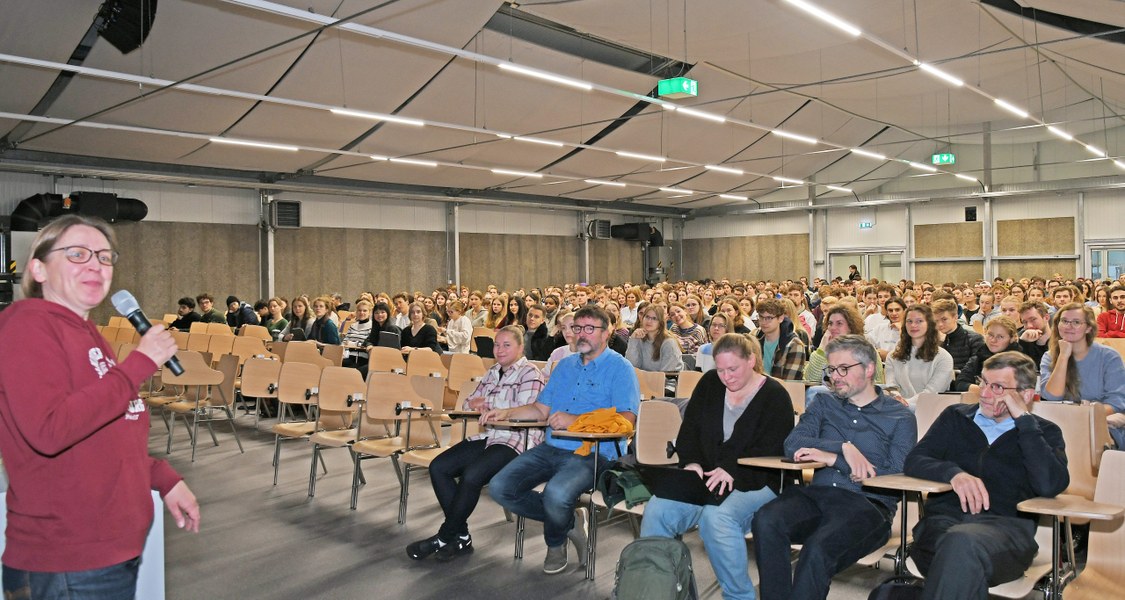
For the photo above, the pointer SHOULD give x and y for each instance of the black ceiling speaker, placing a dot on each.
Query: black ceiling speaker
(126, 23)
(970, 213)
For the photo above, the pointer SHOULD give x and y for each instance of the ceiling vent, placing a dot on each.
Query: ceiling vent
(285, 214)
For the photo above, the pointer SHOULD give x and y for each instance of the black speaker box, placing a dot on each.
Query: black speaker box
(633, 232)
(970, 213)
(126, 23)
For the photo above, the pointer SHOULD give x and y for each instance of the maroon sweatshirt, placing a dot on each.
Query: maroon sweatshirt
(74, 437)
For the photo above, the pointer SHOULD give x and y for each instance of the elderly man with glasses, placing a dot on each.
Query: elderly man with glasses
(580, 383)
(995, 454)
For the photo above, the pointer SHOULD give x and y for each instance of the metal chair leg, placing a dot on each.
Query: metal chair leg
(312, 471)
(519, 536)
(276, 456)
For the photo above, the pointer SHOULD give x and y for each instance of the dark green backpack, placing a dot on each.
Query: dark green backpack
(655, 568)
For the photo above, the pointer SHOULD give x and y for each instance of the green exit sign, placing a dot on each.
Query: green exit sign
(677, 87)
(945, 158)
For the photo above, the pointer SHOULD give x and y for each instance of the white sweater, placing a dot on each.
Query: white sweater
(916, 376)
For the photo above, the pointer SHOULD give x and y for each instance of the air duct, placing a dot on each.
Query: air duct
(33, 213)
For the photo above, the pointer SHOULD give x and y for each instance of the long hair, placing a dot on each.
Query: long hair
(661, 329)
(738, 316)
(929, 348)
(851, 317)
(494, 320)
(1073, 385)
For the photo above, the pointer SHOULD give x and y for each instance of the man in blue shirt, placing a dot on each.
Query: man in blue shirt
(859, 432)
(591, 379)
(996, 454)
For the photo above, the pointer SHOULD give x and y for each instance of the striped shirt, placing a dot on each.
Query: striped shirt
(520, 385)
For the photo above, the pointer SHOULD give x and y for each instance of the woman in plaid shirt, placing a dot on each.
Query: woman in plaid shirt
(511, 382)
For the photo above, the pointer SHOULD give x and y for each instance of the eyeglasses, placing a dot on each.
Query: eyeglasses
(81, 255)
(764, 317)
(841, 370)
(994, 389)
(649, 318)
(1064, 322)
(996, 337)
(587, 329)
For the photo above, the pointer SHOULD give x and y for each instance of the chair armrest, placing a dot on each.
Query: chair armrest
(1072, 507)
(905, 483)
(779, 462)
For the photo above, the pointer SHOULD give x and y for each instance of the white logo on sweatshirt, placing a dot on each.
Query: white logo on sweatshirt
(136, 407)
(100, 362)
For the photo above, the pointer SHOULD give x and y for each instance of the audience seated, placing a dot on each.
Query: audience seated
(783, 354)
(187, 315)
(996, 454)
(961, 343)
(735, 411)
(239, 313)
(1111, 321)
(704, 359)
(689, 334)
(652, 347)
(919, 364)
(459, 331)
(1000, 336)
(1077, 368)
(302, 318)
(208, 312)
(419, 333)
(323, 330)
(276, 323)
(1036, 333)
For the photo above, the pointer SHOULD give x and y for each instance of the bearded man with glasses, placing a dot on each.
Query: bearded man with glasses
(580, 383)
(858, 432)
(995, 454)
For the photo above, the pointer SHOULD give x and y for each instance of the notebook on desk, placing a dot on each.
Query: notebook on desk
(681, 485)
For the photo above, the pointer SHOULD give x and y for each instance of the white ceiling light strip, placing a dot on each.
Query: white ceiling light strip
(949, 78)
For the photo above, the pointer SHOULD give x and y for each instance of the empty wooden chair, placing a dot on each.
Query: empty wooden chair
(340, 389)
(305, 352)
(217, 406)
(651, 383)
(198, 327)
(259, 381)
(296, 387)
(425, 363)
(381, 359)
(686, 382)
(1104, 575)
(219, 329)
(199, 374)
(1074, 421)
(256, 331)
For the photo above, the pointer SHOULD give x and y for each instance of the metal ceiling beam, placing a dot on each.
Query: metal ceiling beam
(70, 165)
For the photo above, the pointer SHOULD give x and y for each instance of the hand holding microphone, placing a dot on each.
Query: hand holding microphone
(156, 343)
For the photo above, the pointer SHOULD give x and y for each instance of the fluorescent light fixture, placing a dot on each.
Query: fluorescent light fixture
(702, 115)
(788, 180)
(505, 136)
(1064, 135)
(733, 197)
(667, 105)
(922, 167)
(1095, 151)
(676, 190)
(604, 182)
(540, 141)
(648, 157)
(582, 85)
(414, 161)
(724, 169)
(794, 136)
(1015, 110)
(936, 72)
(868, 154)
(827, 17)
(838, 188)
(238, 142)
(377, 157)
(377, 117)
(1119, 164)
(966, 177)
(518, 173)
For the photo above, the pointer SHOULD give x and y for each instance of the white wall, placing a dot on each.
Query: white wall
(353, 212)
(744, 225)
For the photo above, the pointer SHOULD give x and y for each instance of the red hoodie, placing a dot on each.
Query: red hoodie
(74, 438)
(1111, 324)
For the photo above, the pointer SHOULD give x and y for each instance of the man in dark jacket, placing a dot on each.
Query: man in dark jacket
(995, 455)
(187, 314)
(240, 313)
(959, 342)
(537, 341)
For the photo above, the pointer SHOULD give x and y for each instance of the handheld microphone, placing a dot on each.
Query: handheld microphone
(127, 305)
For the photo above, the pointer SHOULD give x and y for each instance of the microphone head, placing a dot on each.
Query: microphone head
(125, 303)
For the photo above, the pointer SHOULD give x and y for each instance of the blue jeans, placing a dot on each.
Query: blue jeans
(566, 474)
(836, 526)
(115, 582)
(723, 529)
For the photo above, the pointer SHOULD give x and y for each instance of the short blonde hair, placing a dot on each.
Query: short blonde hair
(44, 241)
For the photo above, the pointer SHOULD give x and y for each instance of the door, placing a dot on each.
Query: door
(881, 264)
(1107, 262)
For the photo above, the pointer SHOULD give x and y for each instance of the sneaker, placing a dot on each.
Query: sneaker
(450, 551)
(578, 535)
(423, 548)
(556, 560)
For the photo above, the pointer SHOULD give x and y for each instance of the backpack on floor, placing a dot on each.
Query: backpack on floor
(654, 568)
(898, 588)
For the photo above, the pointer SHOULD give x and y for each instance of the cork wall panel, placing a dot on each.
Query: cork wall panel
(514, 261)
(1043, 268)
(317, 260)
(751, 257)
(616, 261)
(162, 262)
(1028, 237)
(957, 272)
(949, 240)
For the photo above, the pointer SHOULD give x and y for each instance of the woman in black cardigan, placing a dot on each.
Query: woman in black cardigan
(735, 412)
(419, 333)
